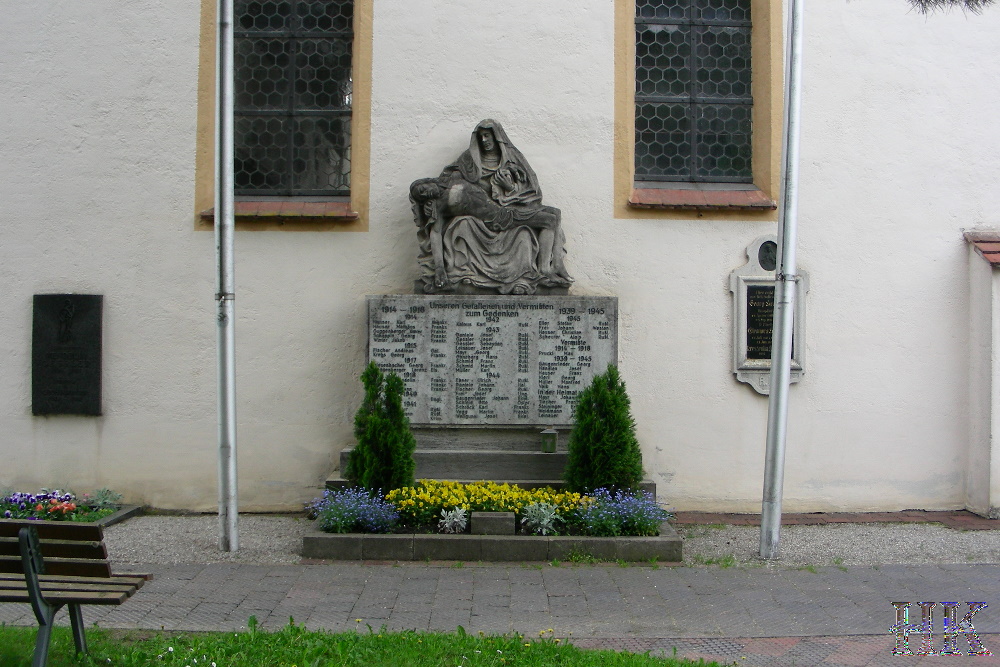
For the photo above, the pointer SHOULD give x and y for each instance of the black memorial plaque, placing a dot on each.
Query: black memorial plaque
(760, 321)
(66, 354)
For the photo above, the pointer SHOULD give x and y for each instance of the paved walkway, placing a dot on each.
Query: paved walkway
(767, 615)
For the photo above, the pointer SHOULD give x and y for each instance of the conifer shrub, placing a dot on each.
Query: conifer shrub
(383, 458)
(603, 449)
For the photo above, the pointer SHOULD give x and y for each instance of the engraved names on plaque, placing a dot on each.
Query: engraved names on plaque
(760, 322)
(753, 288)
(492, 360)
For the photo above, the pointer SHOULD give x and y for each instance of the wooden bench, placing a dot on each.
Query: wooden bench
(54, 563)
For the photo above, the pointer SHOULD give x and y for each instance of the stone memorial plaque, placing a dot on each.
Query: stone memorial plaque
(753, 288)
(492, 360)
(66, 354)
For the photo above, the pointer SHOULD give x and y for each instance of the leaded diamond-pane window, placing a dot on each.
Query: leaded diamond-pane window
(293, 96)
(692, 91)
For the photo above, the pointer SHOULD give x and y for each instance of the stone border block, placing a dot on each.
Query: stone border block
(333, 546)
(514, 548)
(387, 547)
(447, 547)
(601, 548)
(667, 547)
(493, 523)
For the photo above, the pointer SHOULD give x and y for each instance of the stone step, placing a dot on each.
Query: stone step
(519, 440)
(458, 464)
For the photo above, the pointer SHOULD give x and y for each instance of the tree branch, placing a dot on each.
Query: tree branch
(927, 6)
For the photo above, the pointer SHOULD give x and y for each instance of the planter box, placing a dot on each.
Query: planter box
(665, 548)
(122, 513)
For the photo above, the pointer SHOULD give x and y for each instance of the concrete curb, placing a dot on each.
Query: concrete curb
(664, 548)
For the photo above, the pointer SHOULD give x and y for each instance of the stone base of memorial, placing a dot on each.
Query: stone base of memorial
(664, 548)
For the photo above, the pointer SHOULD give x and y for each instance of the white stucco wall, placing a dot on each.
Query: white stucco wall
(97, 180)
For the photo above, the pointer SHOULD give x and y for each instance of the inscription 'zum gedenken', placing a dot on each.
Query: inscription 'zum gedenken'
(492, 360)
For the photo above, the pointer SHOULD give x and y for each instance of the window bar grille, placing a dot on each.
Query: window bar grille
(695, 102)
(337, 34)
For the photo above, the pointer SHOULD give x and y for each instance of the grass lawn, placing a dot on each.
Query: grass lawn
(295, 646)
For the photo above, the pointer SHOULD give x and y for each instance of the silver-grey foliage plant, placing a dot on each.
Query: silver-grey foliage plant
(453, 521)
(540, 518)
(105, 498)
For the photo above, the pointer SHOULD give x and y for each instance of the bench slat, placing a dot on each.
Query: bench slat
(92, 585)
(52, 578)
(58, 548)
(64, 597)
(79, 567)
(54, 530)
(145, 576)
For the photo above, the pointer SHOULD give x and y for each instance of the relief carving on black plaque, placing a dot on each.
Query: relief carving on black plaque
(481, 223)
(66, 354)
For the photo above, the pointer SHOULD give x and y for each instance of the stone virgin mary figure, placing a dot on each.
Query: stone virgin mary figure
(482, 222)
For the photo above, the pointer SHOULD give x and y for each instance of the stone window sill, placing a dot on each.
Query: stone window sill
(701, 200)
(299, 211)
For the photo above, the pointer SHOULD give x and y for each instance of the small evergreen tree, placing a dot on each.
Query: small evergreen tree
(383, 457)
(603, 449)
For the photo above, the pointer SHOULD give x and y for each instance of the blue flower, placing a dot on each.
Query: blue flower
(354, 510)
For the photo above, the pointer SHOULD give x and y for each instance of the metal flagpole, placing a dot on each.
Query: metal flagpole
(229, 539)
(784, 294)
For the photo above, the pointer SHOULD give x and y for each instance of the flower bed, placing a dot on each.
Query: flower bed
(57, 505)
(444, 506)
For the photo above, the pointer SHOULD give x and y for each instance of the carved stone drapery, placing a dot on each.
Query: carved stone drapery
(482, 222)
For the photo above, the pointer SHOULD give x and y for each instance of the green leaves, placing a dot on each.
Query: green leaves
(383, 457)
(603, 449)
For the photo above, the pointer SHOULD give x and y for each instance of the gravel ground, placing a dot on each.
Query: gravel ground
(845, 544)
(269, 539)
(264, 539)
